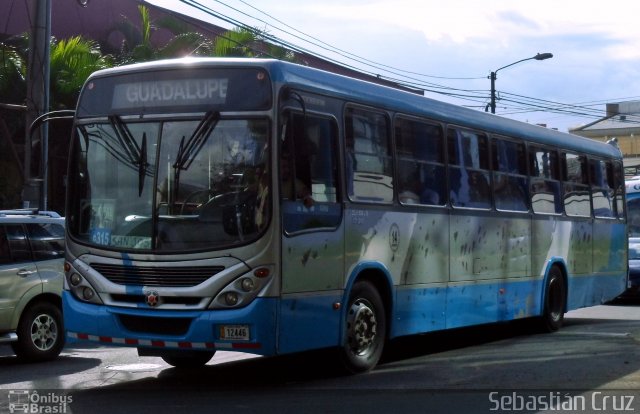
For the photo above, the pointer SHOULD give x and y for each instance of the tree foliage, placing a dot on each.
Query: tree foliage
(72, 61)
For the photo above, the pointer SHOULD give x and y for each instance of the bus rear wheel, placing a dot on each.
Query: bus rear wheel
(365, 329)
(555, 300)
(186, 359)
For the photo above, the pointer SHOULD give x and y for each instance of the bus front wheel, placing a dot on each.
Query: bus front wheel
(365, 329)
(555, 298)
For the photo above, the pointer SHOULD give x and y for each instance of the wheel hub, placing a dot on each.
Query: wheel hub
(362, 328)
(44, 332)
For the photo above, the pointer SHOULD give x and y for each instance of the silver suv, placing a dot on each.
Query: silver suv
(31, 274)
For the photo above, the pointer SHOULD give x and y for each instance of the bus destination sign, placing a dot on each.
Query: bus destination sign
(176, 91)
(163, 93)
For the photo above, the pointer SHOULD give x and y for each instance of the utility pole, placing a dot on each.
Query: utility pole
(493, 76)
(37, 101)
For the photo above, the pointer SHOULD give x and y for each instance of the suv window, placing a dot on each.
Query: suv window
(47, 240)
(18, 244)
(5, 253)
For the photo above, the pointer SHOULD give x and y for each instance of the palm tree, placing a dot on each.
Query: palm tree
(13, 57)
(72, 61)
(242, 42)
(137, 45)
(239, 42)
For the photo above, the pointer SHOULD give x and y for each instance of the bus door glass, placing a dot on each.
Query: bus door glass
(308, 173)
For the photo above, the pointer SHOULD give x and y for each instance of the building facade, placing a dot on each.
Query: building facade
(622, 122)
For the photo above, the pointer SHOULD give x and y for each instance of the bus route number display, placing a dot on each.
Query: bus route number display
(164, 93)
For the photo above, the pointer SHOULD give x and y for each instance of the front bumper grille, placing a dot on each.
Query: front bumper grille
(156, 276)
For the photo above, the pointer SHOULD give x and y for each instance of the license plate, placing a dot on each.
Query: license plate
(235, 332)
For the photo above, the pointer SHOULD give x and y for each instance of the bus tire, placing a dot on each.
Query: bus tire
(40, 333)
(187, 359)
(555, 300)
(365, 329)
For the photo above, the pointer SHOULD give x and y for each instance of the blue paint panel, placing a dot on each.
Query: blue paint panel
(594, 290)
(423, 309)
(419, 310)
(260, 315)
(309, 322)
(493, 302)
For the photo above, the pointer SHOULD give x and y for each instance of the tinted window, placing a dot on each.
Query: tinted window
(47, 240)
(420, 154)
(308, 173)
(5, 253)
(18, 244)
(369, 168)
(544, 167)
(510, 184)
(468, 169)
(602, 185)
(577, 197)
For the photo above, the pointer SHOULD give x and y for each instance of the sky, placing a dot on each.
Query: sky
(452, 46)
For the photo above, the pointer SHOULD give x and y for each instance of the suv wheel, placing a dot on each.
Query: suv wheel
(40, 333)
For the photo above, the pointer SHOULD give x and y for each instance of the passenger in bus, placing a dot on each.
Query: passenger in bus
(469, 188)
(293, 189)
(479, 189)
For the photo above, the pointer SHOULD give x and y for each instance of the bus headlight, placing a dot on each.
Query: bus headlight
(88, 293)
(241, 291)
(231, 298)
(75, 279)
(247, 284)
(81, 288)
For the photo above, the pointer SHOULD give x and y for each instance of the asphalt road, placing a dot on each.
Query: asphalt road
(591, 365)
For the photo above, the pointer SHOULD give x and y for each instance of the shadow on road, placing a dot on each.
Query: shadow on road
(14, 370)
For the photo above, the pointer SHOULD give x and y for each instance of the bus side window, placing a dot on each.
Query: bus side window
(617, 179)
(468, 169)
(545, 181)
(420, 154)
(602, 190)
(577, 195)
(368, 156)
(308, 174)
(633, 217)
(510, 181)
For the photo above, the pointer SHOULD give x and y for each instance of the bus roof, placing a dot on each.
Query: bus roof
(367, 93)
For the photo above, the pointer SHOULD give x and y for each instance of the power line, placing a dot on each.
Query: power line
(518, 104)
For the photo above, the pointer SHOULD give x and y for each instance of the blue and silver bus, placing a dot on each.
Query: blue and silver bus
(633, 220)
(265, 207)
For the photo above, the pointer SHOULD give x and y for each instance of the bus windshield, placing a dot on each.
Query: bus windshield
(169, 185)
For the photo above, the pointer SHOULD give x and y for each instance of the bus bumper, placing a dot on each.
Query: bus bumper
(171, 329)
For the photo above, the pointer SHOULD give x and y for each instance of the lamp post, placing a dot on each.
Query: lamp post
(493, 77)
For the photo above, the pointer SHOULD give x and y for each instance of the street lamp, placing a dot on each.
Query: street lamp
(493, 77)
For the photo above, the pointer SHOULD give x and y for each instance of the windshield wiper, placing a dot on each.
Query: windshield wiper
(137, 155)
(190, 148)
(187, 151)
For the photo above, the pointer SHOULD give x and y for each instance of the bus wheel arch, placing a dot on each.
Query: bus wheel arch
(554, 301)
(366, 322)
